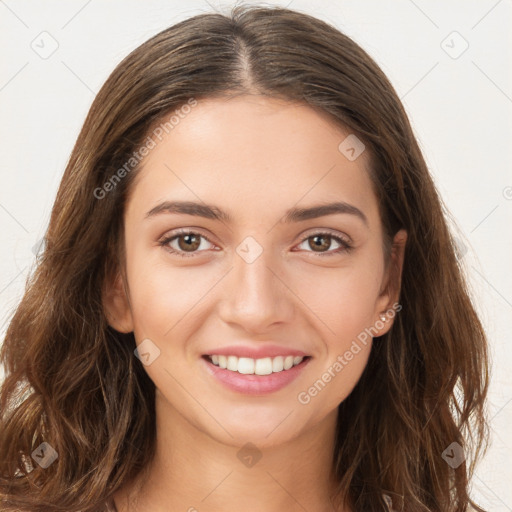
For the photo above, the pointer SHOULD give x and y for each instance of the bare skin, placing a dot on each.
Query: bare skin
(255, 158)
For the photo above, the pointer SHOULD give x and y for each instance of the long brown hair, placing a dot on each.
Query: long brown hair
(73, 382)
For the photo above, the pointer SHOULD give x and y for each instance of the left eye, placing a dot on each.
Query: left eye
(315, 241)
(189, 241)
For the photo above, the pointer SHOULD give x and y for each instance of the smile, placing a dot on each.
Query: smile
(254, 376)
(250, 366)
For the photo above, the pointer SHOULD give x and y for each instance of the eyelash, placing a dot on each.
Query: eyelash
(345, 246)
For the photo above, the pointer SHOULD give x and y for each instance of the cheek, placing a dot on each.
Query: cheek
(343, 310)
(163, 296)
(343, 299)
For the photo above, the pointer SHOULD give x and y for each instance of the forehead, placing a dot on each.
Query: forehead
(255, 156)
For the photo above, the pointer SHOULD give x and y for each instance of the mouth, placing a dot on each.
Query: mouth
(255, 376)
(250, 366)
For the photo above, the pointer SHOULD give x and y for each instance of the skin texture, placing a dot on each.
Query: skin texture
(255, 158)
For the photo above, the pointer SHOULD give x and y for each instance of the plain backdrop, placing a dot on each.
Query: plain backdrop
(448, 60)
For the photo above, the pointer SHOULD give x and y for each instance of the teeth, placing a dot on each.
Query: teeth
(249, 366)
(232, 363)
(288, 362)
(278, 364)
(263, 366)
(245, 365)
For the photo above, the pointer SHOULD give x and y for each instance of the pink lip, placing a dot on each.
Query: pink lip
(254, 384)
(256, 352)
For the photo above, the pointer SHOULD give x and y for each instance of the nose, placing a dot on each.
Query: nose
(256, 298)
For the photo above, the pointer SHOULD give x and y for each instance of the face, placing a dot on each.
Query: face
(251, 273)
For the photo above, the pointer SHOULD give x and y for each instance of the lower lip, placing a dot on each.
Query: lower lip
(255, 384)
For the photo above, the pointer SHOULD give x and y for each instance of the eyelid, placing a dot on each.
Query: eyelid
(326, 231)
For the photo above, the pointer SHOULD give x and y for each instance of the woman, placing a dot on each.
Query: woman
(249, 297)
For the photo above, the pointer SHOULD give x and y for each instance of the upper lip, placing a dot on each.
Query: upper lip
(258, 352)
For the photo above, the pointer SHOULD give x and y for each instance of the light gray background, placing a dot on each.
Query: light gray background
(460, 104)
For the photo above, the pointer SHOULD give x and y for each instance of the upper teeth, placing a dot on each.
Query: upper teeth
(248, 366)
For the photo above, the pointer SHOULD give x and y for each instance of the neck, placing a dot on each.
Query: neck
(193, 472)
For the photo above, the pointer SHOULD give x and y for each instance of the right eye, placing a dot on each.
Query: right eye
(186, 243)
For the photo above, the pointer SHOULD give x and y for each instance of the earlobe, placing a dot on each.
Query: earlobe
(117, 306)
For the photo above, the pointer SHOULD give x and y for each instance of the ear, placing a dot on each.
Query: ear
(387, 305)
(116, 304)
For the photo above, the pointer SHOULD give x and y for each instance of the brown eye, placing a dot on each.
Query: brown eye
(319, 242)
(184, 244)
(188, 242)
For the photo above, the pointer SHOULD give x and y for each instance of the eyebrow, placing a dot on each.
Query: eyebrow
(292, 215)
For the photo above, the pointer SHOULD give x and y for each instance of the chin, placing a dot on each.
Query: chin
(264, 425)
